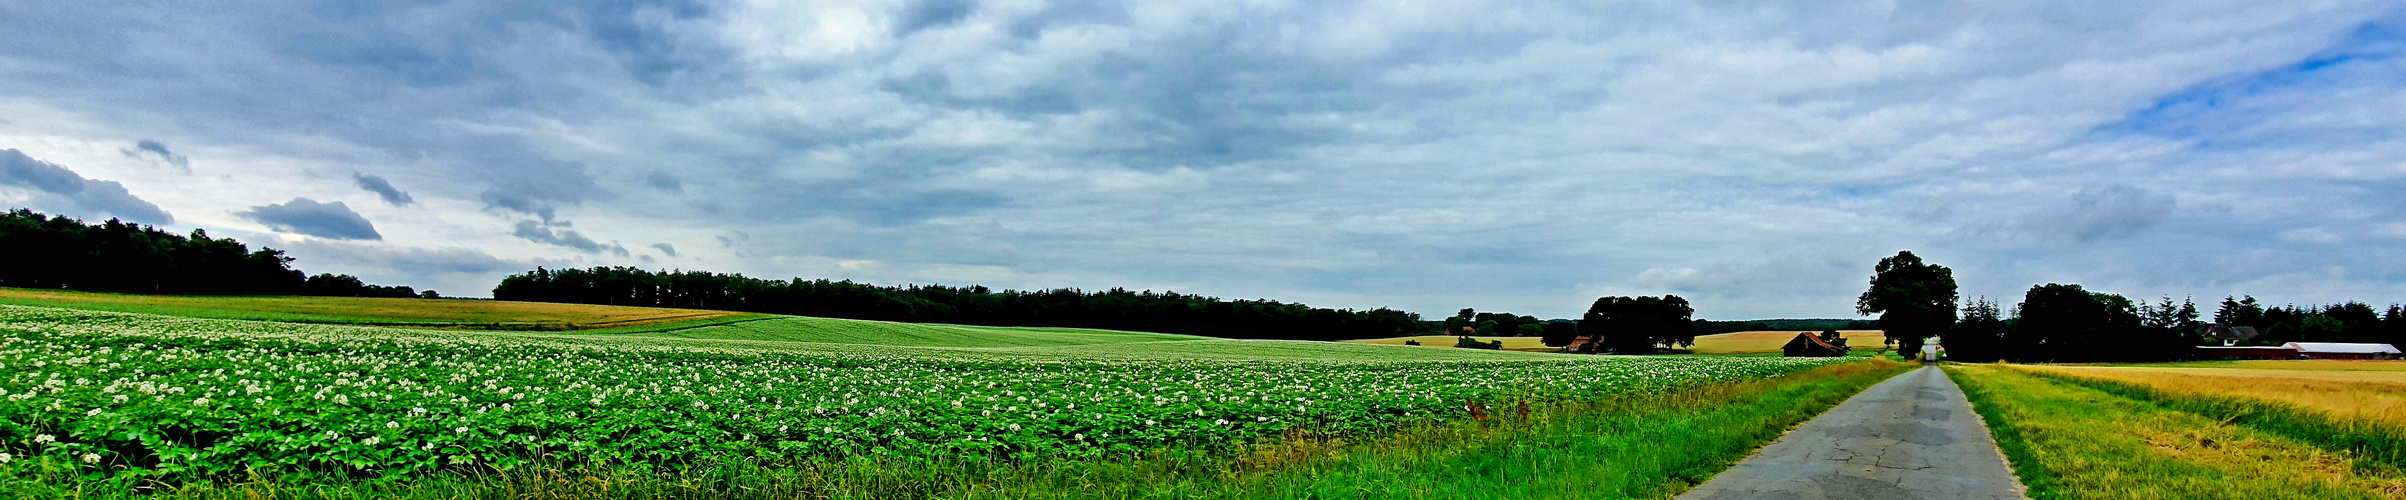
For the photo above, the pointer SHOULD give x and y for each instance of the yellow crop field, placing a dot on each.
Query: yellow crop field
(1770, 341)
(2369, 389)
(365, 310)
(1532, 344)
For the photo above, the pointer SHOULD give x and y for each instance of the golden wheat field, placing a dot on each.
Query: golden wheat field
(2371, 389)
(1770, 341)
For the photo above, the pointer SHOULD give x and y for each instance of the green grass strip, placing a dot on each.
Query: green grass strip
(2010, 436)
(2370, 442)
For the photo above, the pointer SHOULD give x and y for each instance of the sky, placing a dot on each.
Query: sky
(1756, 158)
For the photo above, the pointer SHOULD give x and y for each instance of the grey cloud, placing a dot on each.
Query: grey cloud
(152, 150)
(926, 14)
(1336, 152)
(2107, 213)
(306, 216)
(64, 190)
(666, 249)
(664, 182)
(531, 197)
(383, 189)
(537, 232)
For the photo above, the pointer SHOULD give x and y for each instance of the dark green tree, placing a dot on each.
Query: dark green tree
(1559, 333)
(2068, 323)
(1832, 337)
(2240, 312)
(1636, 325)
(1980, 335)
(1915, 300)
(2353, 322)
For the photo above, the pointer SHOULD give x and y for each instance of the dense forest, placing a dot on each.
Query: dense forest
(61, 253)
(1119, 309)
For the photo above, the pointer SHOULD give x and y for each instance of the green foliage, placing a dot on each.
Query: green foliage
(2240, 312)
(55, 252)
(134, 399)
(1116, 309)
(2067, 323)
(1709, 327)
(1471, 343)
(1636, 325)
(1980, 335)
(1560, 333)
(1915, 300)
(1832, 337)
(1631, 444)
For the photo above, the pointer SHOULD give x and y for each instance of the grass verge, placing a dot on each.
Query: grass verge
(1638, 445)
(2069, 440)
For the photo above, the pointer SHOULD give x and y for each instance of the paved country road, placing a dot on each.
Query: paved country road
(1913, 436)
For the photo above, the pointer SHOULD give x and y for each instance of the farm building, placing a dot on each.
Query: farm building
(2229, 335)
(1805, 345)
(2338, 350)
(2252, 352)
(1585, 343)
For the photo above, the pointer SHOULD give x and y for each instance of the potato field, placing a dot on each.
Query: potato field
(178, 399)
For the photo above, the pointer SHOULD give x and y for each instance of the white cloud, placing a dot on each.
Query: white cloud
(1507, 156)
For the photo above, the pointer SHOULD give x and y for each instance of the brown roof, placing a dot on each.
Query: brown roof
(1816, 344)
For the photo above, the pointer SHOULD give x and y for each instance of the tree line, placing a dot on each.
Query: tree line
(1709, 327)
(2068, 323)
(1117, 308)
(56, 252)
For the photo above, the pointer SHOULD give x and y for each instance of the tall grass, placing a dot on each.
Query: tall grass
(1638, 445)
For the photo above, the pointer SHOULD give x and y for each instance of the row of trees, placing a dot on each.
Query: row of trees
(1628, 325)
(55, 252)
(1634, 325)
(2065, 322)
(1121, 309)
(1709, 327)
(2342, 322)
(1494, 324)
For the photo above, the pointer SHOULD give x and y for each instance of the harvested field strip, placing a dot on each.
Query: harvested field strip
(2373, 443)
(422, 313)
(1532, 344)
(864, 332)
(2071, 439)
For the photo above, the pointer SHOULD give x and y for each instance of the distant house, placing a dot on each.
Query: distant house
(2251, 352)
(1805, 345)
(2338, 350)
(1583, 344)
(2229, 335)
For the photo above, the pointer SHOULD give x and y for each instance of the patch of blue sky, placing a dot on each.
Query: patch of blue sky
(2225, 113)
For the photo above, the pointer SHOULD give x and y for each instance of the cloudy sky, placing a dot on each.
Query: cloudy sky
(1755, 157)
